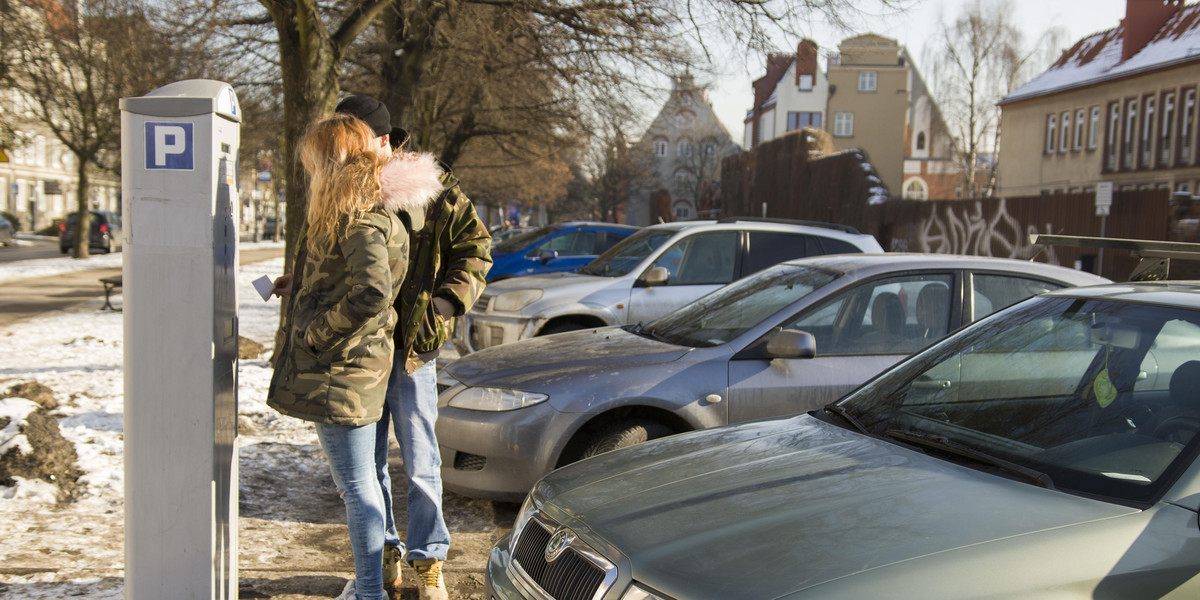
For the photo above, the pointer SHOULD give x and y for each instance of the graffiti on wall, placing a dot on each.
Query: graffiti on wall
(963, 228)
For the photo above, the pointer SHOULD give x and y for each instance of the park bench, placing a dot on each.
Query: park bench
(110, 284)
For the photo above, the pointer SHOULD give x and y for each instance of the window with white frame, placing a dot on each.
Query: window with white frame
(1147, 142)
(806, 83)
(1187, 119)
(710, 149)
(1094, 128)
(1167, 130)
(39, 151)
(660, 147)
(1065, 139)
(843, 124)
(866, 81)
(1114, 125)
(683, 180)
(915, 190)
(1131, 114)
(1080, 115)
(1051, 132)
(683, 147)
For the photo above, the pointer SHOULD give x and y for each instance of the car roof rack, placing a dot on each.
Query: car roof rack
(834, 226)
(1155, 255)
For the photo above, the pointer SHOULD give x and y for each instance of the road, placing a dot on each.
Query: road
(27, 249)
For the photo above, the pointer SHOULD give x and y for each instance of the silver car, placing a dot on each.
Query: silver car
(786, 340)
(645, 276)
(1048, 451)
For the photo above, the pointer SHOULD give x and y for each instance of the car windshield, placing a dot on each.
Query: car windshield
(523, 241)
(627, 254)
(734, 309)
(1090, 397)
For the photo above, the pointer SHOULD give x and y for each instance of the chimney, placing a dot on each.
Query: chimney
(806, 59)
(1143, 19)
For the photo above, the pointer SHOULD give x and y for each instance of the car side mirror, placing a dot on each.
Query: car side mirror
(656, 276)
(547, 256)
(791, 343)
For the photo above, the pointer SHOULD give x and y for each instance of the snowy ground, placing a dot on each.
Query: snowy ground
(286, 497)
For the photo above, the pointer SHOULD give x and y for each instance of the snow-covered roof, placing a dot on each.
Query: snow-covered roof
(1097, 58)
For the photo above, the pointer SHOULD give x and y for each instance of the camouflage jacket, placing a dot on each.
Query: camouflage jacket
(342, 300)
(451, 255)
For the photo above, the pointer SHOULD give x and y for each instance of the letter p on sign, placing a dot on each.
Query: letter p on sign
(170, 146)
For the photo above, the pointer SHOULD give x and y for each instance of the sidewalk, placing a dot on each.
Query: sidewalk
(292, 540)
(28, 297)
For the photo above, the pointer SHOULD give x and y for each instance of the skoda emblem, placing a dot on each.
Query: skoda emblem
(558, 542)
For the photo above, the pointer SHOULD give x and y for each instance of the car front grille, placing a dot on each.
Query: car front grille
(570, 577)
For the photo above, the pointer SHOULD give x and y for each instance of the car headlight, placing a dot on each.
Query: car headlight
(495, 399)
(637, 592)
(515, 300)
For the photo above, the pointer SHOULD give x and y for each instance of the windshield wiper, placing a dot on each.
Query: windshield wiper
(839, 410)
(943, 444)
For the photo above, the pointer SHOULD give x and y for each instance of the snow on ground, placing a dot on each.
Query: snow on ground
(78, 353)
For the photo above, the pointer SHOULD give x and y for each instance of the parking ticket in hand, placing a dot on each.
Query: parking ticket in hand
(264, 285)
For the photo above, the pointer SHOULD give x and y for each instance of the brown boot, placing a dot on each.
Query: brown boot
(391, 569)
(430, 583)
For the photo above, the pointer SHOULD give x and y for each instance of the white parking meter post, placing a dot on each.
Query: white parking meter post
(179, 148)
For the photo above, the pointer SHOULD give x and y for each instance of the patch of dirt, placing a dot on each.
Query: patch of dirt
(249, 349)
(34, 392)
(53, 459)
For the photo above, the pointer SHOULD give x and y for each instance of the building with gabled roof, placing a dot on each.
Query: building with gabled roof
(1118, 106)
(686, 143)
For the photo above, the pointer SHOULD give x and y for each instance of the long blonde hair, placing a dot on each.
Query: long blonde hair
(343, 171)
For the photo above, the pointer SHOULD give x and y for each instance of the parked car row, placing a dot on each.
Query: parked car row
(644, 276)
(1046, 451)
(784, 341)
(854, 423)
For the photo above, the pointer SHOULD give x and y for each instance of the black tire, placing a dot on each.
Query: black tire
(64, 249)
(561, 327)
(622, 434)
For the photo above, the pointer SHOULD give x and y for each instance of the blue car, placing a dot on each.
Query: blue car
(554, 248)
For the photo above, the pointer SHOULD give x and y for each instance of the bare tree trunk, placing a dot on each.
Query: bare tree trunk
(83, 224)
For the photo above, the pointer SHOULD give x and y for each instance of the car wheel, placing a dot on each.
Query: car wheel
(622, 434)
(561, 327)
(64, 249)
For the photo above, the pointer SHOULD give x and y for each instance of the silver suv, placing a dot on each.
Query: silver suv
(647, 275)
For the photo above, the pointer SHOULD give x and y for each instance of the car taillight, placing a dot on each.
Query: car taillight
(62, 227)
(103, 229)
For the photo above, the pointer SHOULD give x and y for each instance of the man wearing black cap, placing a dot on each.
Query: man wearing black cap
(449, 256)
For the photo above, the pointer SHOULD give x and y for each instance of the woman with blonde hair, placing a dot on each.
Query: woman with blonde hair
(336, 354)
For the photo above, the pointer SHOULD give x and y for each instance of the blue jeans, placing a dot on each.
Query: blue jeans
(351, 461)
(412, 404)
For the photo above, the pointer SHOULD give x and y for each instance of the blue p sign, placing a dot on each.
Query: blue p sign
(169, 146)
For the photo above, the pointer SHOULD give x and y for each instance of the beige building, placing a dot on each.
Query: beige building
(879, 103)
(1119, 106)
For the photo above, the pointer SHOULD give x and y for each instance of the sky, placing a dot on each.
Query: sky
(731, 94)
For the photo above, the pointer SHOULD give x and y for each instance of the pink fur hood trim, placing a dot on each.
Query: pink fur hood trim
(409, 180)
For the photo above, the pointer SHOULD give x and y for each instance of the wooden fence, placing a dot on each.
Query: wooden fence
(843, 188)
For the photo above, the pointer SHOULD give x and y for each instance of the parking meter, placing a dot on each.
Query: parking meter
(179, 147)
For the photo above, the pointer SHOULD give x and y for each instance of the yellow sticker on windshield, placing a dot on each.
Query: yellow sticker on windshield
(1105, 391)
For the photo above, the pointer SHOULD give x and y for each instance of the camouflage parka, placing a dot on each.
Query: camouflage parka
(450, 257)
(342, 299)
